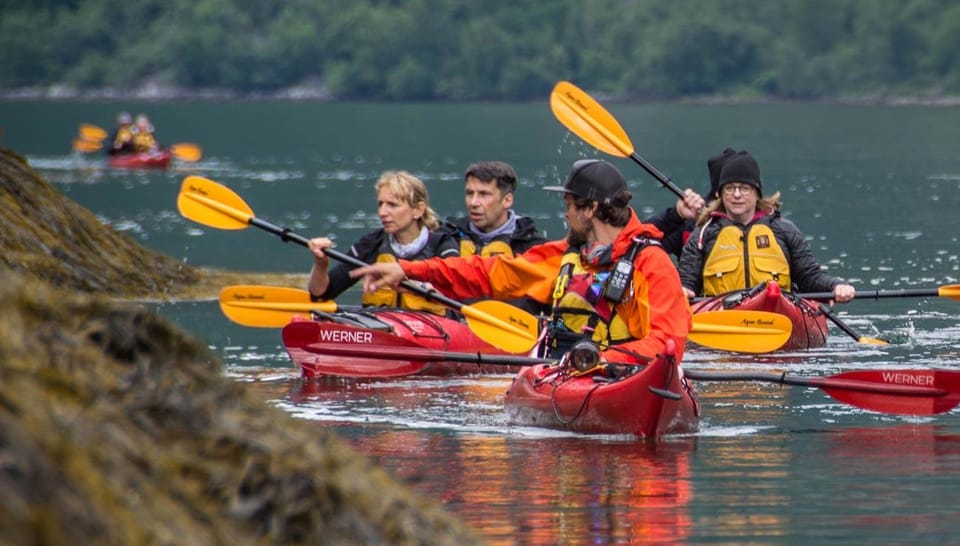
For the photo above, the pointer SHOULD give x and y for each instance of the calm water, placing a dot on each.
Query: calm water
(876, 189)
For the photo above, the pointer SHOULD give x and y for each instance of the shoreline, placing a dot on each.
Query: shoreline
(321, 94)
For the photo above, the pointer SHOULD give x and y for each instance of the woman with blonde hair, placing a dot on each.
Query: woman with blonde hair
(409, 231)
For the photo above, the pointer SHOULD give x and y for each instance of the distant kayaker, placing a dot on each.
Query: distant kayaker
(410, 231)
(144, 135)
(608, 281)
(121, 142)
(741, 241)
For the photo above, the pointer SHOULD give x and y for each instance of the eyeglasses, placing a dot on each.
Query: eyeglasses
(744, 189)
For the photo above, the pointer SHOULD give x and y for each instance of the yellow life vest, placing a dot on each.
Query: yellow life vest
(493, 248)
(574, 316)
(388, 297)
(144, 141)
(724, 271)
(124, 135)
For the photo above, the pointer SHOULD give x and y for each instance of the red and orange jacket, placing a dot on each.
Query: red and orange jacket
(657, 310)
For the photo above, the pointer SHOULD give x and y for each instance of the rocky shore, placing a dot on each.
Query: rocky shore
(118, 428)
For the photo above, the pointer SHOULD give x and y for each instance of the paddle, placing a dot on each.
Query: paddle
(951, 291)
(91, 133)
(186, 151)
(590, 121)
(828, 312)
(735, 298)
(740, 331)
(86, 146)
(275, 307)
(498, 323)
(348, 351)
(906, 392)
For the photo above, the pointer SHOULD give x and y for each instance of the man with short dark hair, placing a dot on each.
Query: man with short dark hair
(608, 281)
(491, 226)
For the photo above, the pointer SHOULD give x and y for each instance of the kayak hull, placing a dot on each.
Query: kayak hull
(141, 160)
(380, 326)
(654, 401)
(809, 324)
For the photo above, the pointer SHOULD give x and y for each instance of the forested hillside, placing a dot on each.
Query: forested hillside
(486, 50)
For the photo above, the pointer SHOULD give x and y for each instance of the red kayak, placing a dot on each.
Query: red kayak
(809, 324)
(651, 401)
(159, 159)
(381, 327)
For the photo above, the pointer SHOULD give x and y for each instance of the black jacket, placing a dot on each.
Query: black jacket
(673, 227)
(372, 245)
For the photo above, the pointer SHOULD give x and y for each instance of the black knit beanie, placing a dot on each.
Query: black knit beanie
(714, 165)
(741, 167)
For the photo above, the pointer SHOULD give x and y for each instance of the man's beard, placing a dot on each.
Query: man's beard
(577, 238)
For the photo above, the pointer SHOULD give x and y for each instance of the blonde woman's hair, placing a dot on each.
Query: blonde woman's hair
(768, 204)
(413, 192)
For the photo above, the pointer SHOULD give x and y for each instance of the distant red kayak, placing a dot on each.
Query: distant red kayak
(379, 327)
(653, 401)
(142, 160)
(809, 324)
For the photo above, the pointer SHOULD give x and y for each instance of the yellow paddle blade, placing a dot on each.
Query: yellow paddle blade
(186, 151)
(89, 131)
(741, 331)
(209, 203)
(502, 325)
(951, 291)
(86, 146)
(586, 118)
(268, 306)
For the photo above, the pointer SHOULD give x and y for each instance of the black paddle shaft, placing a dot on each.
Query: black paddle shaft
(876, 294)
(287, 235)
(652, 171)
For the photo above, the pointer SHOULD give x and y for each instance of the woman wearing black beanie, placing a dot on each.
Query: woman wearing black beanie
(741, 240)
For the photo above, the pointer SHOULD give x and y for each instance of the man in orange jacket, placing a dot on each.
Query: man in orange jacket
(608, 281)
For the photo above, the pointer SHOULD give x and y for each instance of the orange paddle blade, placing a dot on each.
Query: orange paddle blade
(186, 151)
(586, 118)
(207, 202)
(268, 306)
(89, 131)
(86, 146)
(513, 329)
(741, 331)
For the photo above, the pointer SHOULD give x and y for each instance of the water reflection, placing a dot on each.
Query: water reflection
(557, 491)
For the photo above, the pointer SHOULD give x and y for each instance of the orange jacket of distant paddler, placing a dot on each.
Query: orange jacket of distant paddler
(657, 310)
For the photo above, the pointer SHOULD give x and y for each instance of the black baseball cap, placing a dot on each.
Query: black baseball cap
(596, 180)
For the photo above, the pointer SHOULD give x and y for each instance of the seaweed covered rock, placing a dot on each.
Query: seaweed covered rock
(117, 428)
(50, 237)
